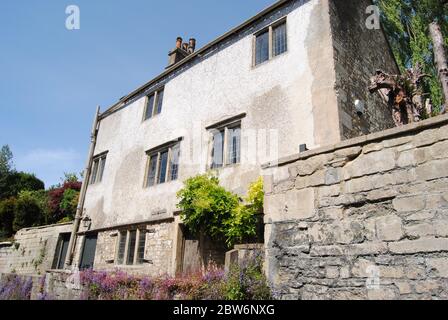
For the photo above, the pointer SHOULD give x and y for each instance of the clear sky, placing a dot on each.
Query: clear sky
(52, 79)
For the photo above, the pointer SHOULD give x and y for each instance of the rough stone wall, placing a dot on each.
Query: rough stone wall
(158, 251)
(32, 251)
(363, 219)
(358, 53)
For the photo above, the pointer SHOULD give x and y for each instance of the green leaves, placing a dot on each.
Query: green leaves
(406, 23)
(209, 209)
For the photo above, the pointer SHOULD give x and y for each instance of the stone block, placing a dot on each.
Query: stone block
(431, 286)
(389, 228)
(406, 159)
(383, 293)
(419, 246)
(420, 230)
(409, 204)
(294, 205)
(433, 170)
(370, 163)
(439, 266)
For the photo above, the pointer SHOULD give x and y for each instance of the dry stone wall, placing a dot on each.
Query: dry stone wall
(33, 250)
(363, 219)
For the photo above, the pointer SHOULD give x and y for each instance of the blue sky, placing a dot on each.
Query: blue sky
(52, 79)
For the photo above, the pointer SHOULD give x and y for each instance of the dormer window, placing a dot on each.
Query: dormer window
(153, 105)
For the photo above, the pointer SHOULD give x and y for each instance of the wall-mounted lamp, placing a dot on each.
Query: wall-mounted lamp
(86, 222)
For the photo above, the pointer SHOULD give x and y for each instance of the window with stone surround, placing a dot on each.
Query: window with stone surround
(98, 165)
(225, 143)
(163, 164)
(270, 42)
(131, 247)
(153, 104)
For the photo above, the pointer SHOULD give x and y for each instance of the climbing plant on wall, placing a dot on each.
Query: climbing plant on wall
(210, 209)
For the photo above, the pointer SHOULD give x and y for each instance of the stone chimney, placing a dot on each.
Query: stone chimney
(181, 51)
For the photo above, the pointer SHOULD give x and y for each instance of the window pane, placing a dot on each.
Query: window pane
(121, 247)
(149, 107)
(234, 145)
(262, 47)
(174, 162)
(159, 101)
(101, 170)
(152, 170)
(141, 247)
(218, 150)
(162, 167)
(94, 171)
(131, 247)
(280, 42)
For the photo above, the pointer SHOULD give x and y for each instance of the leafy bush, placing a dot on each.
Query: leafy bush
(7, 212)
(209, 209)
(14, 287)
(60, 203)
(242, 225)
(28, 212)
(206, 206)
(69, 203)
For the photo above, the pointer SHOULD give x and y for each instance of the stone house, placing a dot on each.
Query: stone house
(284, 81)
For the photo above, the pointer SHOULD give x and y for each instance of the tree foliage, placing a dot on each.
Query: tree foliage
(210, 209)
(28, 212)
(406, 23)
(7, 213)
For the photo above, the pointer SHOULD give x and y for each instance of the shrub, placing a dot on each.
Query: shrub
(206, 206)
(28, 212)
(14, 287)
(209, 209)
(7, 212)
(246, 281)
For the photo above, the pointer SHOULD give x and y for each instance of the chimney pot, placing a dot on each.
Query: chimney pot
(178, 42)
(191, 45)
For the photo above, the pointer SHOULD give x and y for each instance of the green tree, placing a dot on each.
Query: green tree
(6, 164)
(28, 213)
(69, 204)
(7, 213)
(406, 23)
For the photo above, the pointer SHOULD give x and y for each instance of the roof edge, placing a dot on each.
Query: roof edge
(168, 71)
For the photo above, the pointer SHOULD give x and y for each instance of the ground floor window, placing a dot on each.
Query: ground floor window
(131, 247)
(88, 252)
(61, 251)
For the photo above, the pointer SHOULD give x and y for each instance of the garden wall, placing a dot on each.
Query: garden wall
(33, 250)
(362, 219)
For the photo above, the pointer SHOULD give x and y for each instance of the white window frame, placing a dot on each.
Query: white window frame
(155, 103)
(225, 156)
(157, 154)
(270, 30)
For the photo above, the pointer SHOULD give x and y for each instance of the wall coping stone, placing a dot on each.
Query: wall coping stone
(45, 227)
(362, 140)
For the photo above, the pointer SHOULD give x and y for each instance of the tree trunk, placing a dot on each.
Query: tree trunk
(440, 57)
